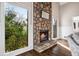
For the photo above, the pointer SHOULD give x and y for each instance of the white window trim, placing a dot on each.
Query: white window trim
(28, 6)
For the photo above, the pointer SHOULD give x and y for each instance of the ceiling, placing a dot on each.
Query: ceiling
(62, 3)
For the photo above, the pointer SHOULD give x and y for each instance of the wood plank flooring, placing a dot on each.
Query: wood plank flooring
(49, 52)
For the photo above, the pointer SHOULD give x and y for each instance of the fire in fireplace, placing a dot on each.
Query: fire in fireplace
(43, 35)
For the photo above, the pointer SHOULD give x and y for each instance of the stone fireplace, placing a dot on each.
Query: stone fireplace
(44, 35)
(41, 26)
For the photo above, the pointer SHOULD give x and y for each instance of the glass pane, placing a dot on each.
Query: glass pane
(55, 28)
(74, 25)
(16, 27)
(78, 24)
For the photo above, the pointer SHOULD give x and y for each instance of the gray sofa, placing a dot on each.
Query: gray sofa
(73, 41)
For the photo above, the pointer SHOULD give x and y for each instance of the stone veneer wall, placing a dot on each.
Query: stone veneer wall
(40, 23)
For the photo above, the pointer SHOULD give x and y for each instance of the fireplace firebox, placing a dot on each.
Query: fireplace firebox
(43, 35)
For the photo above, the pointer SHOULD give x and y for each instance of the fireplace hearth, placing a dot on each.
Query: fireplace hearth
(43, 35)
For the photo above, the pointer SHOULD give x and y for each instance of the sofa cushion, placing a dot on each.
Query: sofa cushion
(76, 33)
(76, 38)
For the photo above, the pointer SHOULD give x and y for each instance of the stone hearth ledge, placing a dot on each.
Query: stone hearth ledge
(44, 45)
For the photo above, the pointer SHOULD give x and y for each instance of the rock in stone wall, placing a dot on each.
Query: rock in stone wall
(40, 23)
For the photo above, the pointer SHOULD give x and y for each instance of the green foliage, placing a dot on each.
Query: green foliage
(15, 36)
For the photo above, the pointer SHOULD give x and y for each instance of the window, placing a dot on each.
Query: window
(16, 27)
(74, 25)
(78, 24)
(54, 27)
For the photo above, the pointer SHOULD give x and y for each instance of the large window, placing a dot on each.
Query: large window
(16, 27)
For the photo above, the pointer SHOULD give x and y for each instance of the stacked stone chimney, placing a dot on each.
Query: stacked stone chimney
(40, 23)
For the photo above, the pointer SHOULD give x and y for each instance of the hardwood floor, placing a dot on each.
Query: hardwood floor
(49, 52)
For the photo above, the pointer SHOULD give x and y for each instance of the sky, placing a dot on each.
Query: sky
(19, 10)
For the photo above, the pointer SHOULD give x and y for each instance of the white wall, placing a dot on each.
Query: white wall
(29, 7)
(67, 11)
